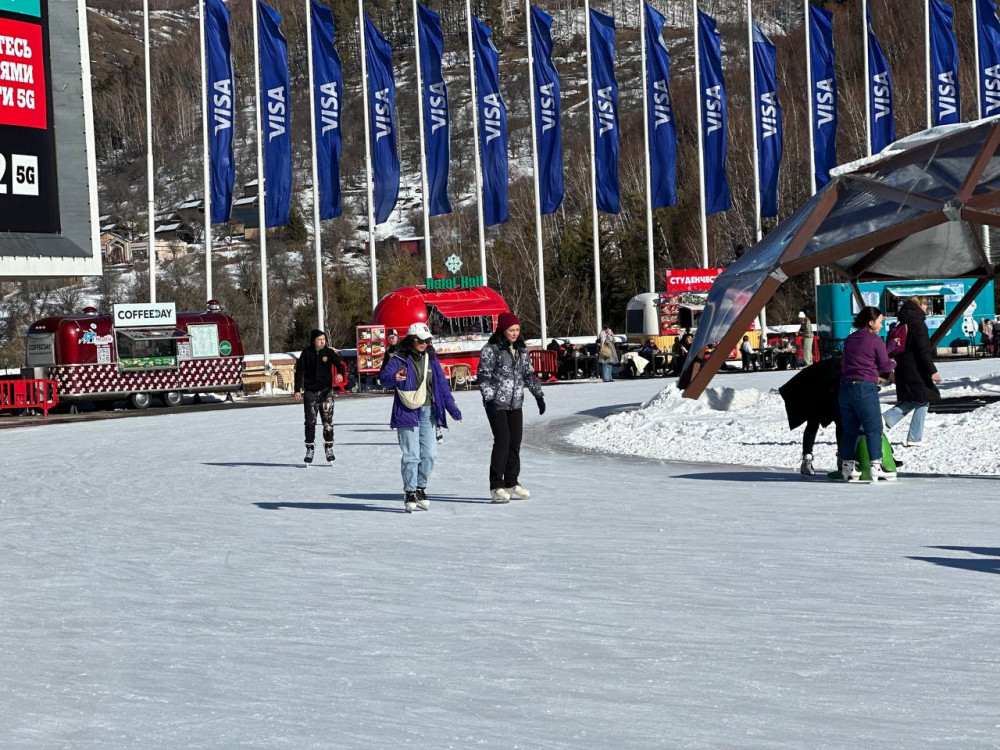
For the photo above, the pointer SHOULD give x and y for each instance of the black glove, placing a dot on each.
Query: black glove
(541, 404)
(491, 409)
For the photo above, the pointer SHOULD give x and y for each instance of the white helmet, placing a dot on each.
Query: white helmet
(420, 330)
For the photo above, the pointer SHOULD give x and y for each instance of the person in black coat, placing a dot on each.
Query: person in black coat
(314, 379)
(812, 397)
(916, 375)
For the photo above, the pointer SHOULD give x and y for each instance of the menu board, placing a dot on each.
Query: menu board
(371, 348)
(29, 196)
(204, 340)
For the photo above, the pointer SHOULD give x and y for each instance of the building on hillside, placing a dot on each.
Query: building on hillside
(115, 249)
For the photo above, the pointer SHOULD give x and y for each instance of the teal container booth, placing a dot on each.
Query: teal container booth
(836, 308)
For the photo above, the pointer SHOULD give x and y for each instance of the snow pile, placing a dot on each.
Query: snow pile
(748, 427)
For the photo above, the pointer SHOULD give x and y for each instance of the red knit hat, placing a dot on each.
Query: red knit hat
(506, 320)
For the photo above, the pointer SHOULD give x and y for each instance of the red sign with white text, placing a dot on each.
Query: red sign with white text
(22, 75)
(691, 279)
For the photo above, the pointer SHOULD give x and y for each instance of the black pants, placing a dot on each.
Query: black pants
(505, 461)
(809, 436)
(321, 402)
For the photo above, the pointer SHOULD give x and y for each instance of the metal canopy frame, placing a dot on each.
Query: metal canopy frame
(963, 205)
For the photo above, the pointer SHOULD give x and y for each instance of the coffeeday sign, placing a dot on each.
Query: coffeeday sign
(145, 315)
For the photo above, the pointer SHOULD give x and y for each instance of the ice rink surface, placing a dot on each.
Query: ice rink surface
(182, 581)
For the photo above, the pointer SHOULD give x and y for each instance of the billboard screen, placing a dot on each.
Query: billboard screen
(48, 190)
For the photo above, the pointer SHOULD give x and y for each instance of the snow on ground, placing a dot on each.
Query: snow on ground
(181, 580)
(747, 426)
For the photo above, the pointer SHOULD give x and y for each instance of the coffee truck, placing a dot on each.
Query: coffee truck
(135, 352)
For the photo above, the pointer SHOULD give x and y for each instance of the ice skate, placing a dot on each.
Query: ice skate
(329, 452)
(849, 471)
(880, 472)
(807, 465)
(422, 502)
(310, 452)
(410, 501)
(517, 492)
(499, 496)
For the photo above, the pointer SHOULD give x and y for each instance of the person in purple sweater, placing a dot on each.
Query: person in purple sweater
(864, 358)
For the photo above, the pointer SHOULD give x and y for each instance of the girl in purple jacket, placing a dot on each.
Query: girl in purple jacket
(864, 358)
(414, 362)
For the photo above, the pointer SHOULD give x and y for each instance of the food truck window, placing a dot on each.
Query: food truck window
(464, 326)
(893, 301)
(147, 349)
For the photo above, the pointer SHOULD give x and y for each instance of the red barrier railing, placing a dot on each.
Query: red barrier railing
(28, 394)
(546, 364)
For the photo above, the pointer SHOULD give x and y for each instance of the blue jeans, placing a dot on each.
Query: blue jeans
(859, 409)
(900, 410)
(606, 371)
(419, 445)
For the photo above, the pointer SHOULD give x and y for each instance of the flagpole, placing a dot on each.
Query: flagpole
(261, 214)
(534, 172)
(868, 83)
(812, 114)
(317, 221)
(701, 138)
(980, 105)
(593, 175)
(645, 132)
(368, 153)
(150, 175)
(927, 61)
(423, 143)
(206, 165)
(475, 139)
(753, 121)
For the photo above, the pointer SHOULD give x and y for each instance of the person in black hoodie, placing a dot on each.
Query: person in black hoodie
(314, 379)
(812, 397)
(916, 375)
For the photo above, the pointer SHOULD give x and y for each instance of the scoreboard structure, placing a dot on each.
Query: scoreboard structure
(48, 172)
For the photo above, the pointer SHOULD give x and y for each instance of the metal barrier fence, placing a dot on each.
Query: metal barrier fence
(28, 394)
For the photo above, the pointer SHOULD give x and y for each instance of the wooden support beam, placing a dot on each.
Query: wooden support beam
(706, 370)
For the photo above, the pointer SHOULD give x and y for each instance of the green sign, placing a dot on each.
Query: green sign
(146, 363)
(456, 282)
(225, 348)
(25, 7)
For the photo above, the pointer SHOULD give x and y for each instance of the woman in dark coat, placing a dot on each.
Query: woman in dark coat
(812, 397)
(916, 375)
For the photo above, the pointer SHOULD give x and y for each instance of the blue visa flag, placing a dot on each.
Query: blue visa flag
(713, 116)
(767, 110)
(823, 90)
(989, 58)
(605, 108)
(435, 103)
(275, 110)
(221, 98)
(946, 106)
(382, 116)
(883, 121)
(660, 121)
(328, 79)
(548, 130)
(492, 113)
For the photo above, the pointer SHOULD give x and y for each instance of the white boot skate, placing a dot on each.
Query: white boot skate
(849, 471)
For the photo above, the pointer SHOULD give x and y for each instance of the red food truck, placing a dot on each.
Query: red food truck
(461, 320)
(136, 351)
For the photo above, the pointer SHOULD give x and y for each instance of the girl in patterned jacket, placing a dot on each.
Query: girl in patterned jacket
(504, 371)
